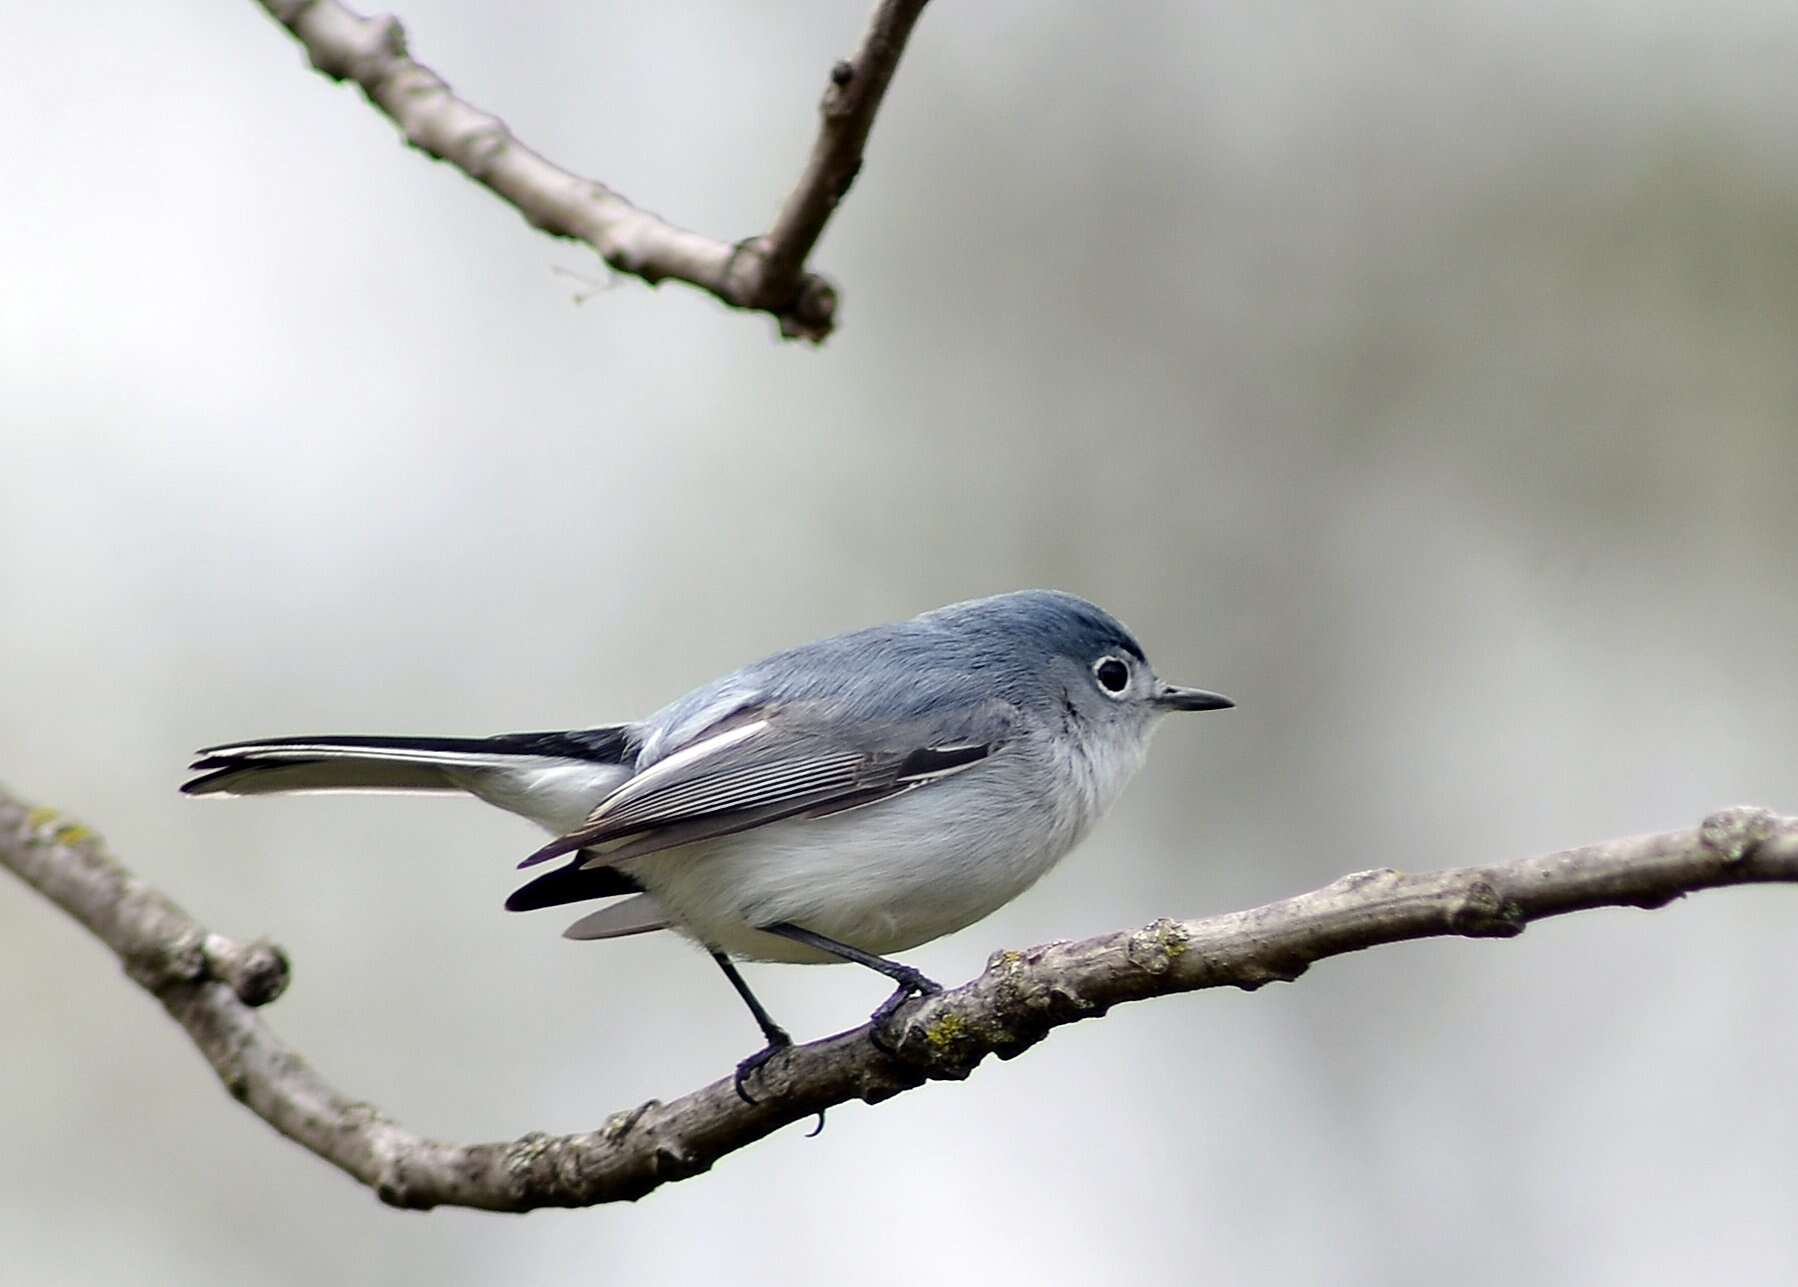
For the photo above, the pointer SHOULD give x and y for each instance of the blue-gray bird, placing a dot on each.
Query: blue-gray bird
(841, 801)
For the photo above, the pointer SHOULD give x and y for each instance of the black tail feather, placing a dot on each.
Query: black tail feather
(571, 884)
(606, 745)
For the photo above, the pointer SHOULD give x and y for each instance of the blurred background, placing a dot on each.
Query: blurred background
(1422, 377)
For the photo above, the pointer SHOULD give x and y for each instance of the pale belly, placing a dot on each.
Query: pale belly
(882, 878)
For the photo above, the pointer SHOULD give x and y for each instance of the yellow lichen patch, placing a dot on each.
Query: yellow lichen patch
(946, 1030)
(1172, 937)
(1156, 947)
(40, 818)
(72, 833)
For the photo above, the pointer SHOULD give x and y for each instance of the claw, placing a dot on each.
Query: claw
(911, 984)
(776, 1044)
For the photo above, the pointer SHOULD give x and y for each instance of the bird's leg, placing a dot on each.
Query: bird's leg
(911, 982)
(776, 1036)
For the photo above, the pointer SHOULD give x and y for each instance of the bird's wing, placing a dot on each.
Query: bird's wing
(763, 766)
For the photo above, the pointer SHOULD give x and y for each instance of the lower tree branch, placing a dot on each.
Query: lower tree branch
(764, 273)
(212, 986)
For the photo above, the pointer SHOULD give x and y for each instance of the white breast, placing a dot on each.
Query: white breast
(892, 875)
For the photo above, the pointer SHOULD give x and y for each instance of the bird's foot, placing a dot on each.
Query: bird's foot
(911, 984)
(778, 1041)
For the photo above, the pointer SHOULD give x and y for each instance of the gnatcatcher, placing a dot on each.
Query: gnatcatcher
(840, 801)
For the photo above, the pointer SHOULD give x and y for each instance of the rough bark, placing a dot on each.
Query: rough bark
(764, 274)
(212, 987)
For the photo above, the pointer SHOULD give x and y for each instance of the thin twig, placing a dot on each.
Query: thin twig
(765, 274)
(211, 986)
(850, 101)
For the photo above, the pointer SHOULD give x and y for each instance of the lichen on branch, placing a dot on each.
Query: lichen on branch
(212, 986)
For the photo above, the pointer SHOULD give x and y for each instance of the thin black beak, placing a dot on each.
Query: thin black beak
(1171, 697)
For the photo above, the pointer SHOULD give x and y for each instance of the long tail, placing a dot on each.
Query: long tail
(547, 777)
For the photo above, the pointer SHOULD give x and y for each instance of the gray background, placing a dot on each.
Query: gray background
(1421, 376)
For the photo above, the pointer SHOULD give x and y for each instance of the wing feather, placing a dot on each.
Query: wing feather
(784, 764)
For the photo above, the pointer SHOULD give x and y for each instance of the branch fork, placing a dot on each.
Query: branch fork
(766, 273)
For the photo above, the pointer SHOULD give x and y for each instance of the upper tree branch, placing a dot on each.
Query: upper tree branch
(765, 273)
(210, 985)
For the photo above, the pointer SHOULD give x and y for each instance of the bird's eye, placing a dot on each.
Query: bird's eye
(1113, 675)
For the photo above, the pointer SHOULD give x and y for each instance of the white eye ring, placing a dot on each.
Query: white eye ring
(1112, 675)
